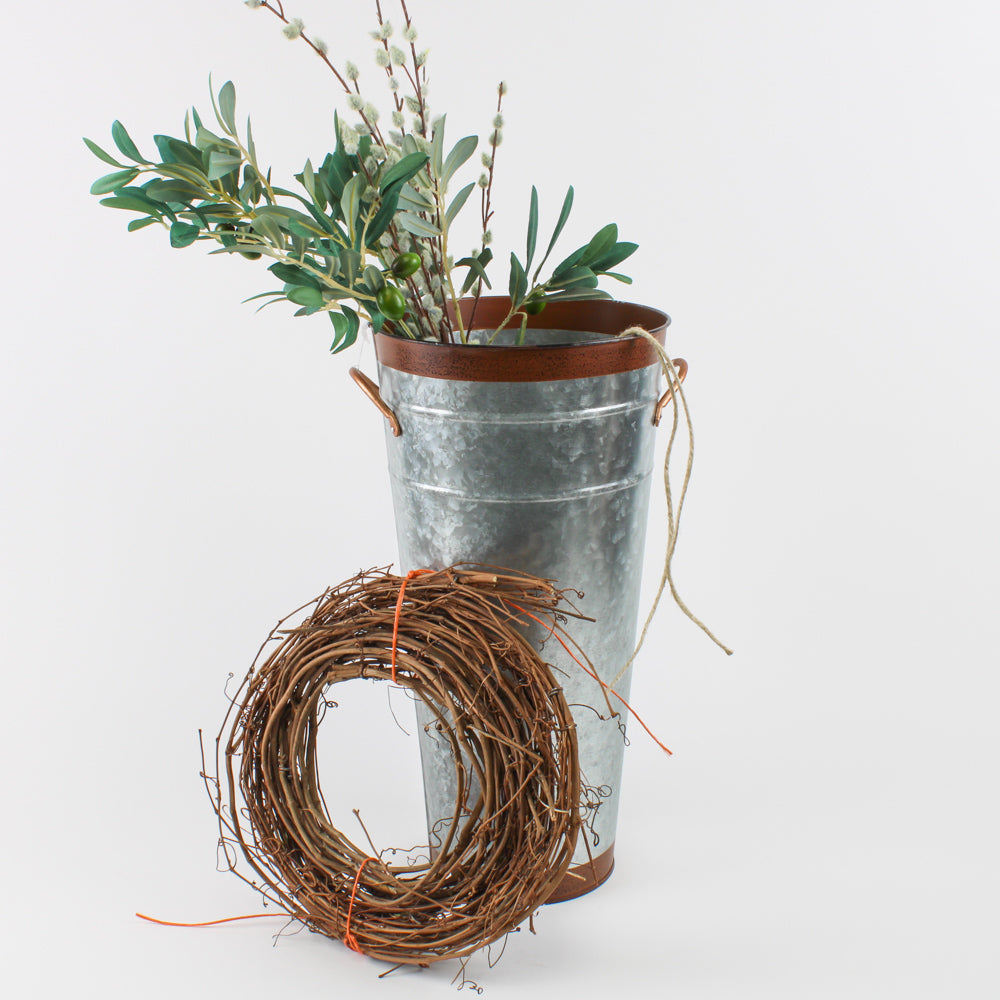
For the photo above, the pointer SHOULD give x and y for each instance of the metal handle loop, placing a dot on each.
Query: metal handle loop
(682, 369)
(370, 389)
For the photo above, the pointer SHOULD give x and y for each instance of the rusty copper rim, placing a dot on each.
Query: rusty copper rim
(605, 355)
(582, 879)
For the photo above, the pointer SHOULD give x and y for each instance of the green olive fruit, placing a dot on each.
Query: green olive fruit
(405, 265)
(228, 227)
(534, 304)
(390, 302)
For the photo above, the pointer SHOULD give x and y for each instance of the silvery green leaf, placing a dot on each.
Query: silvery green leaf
(325, 249)
(374, 278)
(279, 298)
(309, 179)
(227, 107)
(269, 229)
(456, 206)
(563, 216)
(403, 170)
(414, 201)
(206, 140)
(416, 225)
(437, 147)
(101, 154)
(477, 269)
(125, 144)
(304, 228)
(518, 284)
(183, 234)
(350, 202)
(177, 151)
(221, 164)
(168, 189)
(532, 227)
(182, 171)
(128, 203)
(283, 215)
(251, 148)
(464, 148)
(111, 182)
(578, 295)
(350, 265)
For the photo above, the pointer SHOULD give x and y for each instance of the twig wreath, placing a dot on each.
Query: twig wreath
(452, 638)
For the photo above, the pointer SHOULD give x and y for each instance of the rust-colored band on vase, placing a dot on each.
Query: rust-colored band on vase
(582, 879)
(606, 354)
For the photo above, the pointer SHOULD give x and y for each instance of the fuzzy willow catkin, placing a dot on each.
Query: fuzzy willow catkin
(453, 641)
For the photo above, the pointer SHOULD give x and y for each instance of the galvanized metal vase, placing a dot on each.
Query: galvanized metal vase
(536, 458)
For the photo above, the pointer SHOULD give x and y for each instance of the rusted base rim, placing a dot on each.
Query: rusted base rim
(606, 354)
(581, 879)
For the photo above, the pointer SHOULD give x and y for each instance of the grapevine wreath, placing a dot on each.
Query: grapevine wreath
(455, 639)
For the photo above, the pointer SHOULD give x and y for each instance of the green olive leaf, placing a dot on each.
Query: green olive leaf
(464, 148)
(111, 182)
(518, 284)
(125, 144)
(306, 295)
(416, 225)
(183, 234)
(532, 228)
(222, 164)
(227, 107)
(457, 202)
(101, 154)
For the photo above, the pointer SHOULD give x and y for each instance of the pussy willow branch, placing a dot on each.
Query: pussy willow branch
(487, 211)
(276, 8)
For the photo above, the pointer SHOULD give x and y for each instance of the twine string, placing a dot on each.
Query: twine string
(673, 515)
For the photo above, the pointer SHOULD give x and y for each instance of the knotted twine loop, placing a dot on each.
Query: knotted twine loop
(673, 515)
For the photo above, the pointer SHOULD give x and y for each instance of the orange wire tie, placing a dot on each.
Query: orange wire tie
(591, 673)
(209, 923)
(412, 575)
(349, 939)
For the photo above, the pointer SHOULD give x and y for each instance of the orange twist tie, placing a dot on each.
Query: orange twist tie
(349, 939)
(591, 673)
(412, 575)
(209, 923)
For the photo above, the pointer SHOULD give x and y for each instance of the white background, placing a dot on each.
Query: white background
(813, 187)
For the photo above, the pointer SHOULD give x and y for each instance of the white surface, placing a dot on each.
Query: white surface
(814, 191)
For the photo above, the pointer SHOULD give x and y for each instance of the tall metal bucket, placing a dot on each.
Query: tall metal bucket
(536, 458)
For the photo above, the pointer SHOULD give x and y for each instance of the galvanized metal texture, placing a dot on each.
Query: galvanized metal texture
(547, 477)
